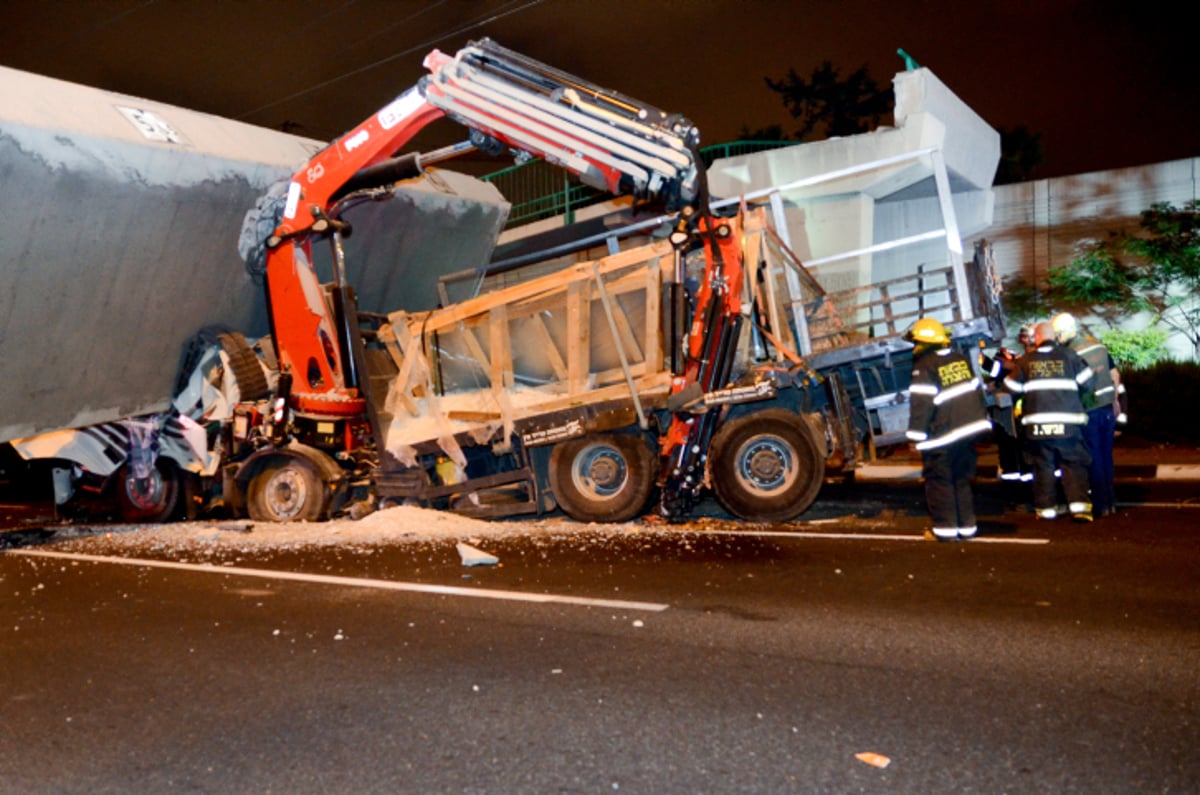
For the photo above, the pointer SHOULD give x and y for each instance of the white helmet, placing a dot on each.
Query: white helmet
(1065, 327)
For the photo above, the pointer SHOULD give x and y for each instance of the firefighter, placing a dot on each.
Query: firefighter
(1024, 471)
(1051, 380)
(1003, 415)
(1025, 338)
(947, 413)
(1103, 405)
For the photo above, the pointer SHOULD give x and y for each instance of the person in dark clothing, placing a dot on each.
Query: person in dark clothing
(1051, 380)
(1103, 404)
(1025, 339)
(947, 413)
(1009, 444)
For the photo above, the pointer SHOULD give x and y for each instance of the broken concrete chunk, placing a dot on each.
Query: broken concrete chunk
(475, 557)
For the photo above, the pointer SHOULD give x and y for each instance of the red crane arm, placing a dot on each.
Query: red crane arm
(610, 141)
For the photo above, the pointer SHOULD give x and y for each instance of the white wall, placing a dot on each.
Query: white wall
(1037, 225)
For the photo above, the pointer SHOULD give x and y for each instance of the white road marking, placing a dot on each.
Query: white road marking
(351, 582)
(873, 536)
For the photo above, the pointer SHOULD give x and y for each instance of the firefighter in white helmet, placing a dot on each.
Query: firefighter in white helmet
(1051, 380)
(947, 414)
(1103, 404)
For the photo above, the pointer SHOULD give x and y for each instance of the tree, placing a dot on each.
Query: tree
(772, 132)
(1154, 269)
(1096, 282)
(1166, 259)
(1024, 303)
(1020, 153)
(826, 105)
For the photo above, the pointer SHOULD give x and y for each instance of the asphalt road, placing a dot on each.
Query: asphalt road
(717, 657)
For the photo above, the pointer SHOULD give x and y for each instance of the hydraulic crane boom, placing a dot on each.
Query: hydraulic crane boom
(507, 100)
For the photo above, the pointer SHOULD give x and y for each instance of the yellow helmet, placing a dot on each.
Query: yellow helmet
(928, 330)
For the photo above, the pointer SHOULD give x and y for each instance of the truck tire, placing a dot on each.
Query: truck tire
(602, 478)
(287, 489)
(766, 467)
(251, 380)
(153, 499)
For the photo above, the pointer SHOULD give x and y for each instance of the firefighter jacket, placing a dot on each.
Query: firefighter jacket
(994, 370)
(1051, 380)
(1104, 391)
(947, 403)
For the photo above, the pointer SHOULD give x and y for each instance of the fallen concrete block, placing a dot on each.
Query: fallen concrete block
(475, 557)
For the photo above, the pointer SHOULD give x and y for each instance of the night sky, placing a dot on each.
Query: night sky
(1107, 84)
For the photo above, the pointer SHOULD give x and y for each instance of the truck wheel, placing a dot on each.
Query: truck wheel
(287, 489)
(250, 378)
(766, 467)
(604, 478)
(152, 499)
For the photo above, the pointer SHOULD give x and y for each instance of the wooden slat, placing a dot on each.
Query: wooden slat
(475, 349)
(556, 302)
(649, 387)
(579, 329)
(548, 345)
(398, 340)
(615, 374)
(440, 319)
(633, 349)
(501, 367)
(653, 331)
(473, 416)
(840, 295)
(760, 272)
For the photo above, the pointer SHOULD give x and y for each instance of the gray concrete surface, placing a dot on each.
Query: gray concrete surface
(120, 225)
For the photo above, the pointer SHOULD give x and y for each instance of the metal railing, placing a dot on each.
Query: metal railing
(537, 189)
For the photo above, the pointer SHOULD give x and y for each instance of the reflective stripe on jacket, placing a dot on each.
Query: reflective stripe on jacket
(1104, 392)
(1052, 380)
(946, 400)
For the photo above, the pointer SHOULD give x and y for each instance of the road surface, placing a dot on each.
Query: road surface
(716, 657)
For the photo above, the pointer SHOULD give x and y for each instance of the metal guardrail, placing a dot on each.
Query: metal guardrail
(537, 189)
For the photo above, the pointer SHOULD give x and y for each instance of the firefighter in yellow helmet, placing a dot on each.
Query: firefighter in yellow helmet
(947, 413)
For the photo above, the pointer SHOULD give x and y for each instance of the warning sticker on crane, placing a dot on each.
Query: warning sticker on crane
(400, 109)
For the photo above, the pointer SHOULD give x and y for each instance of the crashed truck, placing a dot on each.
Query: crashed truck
(700, 353)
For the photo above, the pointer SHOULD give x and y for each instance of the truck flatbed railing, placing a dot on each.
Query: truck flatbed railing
(777, 199)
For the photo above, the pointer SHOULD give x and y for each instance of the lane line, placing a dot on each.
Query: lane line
(1180, 504)
(352, 582)
(872, 536)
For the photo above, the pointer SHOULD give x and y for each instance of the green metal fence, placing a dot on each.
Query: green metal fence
(539, 190)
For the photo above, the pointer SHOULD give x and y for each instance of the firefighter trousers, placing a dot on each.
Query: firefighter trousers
(948, 471)
(1068, 455)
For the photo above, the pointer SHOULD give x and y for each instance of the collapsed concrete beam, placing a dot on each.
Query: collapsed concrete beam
(120, 227)
(927, 115)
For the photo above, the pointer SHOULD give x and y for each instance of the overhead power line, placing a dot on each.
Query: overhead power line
(429, 42)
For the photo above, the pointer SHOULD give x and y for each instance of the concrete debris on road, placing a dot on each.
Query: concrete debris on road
(475, 557)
